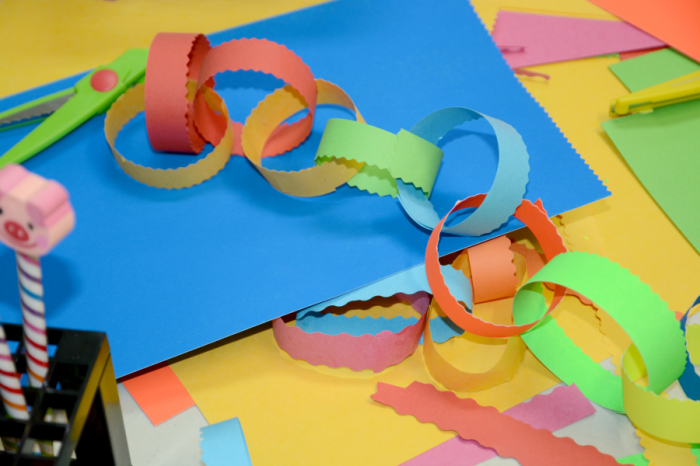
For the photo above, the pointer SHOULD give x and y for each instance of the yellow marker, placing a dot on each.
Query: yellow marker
(670, 92)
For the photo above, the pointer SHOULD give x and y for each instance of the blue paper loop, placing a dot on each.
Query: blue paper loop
(409, 281)
(689, 380)
(508, 187)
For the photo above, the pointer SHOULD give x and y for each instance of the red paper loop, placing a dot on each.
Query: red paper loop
(173, 60)
(179, 117)
(534, 217)
(375, 352)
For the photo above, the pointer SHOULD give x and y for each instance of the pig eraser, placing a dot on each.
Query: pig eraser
(35, 213)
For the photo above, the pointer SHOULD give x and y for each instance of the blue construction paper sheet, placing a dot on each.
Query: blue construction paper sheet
(165, 272)
(224, 444)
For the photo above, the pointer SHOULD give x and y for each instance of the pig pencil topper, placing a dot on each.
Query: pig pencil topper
(35, 213)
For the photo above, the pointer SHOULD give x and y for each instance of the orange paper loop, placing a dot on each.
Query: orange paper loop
(493, 270)
(534, 217)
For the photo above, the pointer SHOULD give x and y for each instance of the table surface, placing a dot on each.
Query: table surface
(631, 229)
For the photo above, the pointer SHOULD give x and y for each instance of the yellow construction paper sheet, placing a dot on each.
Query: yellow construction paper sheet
(72, 36)
(298, 414)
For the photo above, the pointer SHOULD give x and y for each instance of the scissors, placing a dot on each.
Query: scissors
(65, 110)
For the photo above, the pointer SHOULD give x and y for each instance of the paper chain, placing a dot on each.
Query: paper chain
(183, 112)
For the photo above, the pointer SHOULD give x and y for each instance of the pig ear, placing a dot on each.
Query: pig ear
(10, 176)
(48, 204)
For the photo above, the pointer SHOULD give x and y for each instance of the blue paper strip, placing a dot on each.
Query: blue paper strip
(223, 444)
(508, 187)
(689, 380)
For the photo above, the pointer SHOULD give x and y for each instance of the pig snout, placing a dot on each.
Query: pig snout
(16, 230)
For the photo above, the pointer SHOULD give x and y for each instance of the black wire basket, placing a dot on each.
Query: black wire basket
(81, 384)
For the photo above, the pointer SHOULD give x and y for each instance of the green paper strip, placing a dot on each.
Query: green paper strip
(419, 162)
(632, 304)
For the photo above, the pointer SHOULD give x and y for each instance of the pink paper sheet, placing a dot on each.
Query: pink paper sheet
(562, 407)
(530, 39)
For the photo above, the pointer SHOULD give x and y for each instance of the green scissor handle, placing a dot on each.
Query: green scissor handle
(94, 94)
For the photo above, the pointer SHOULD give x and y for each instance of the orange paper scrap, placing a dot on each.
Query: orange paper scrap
(673, 21)
(509, 437)
(160, 394)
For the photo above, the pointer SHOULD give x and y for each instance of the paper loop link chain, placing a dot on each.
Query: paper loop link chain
(183, 113)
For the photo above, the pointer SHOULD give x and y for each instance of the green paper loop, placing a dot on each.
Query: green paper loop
(631, 303)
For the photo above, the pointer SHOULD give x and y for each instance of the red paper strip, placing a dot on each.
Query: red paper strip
(160, 394)
(509, 437)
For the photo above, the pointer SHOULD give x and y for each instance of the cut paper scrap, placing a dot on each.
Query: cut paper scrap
(453, 378)
(387, 156)
(672, 21)
(159, 393)
(510, 438)
(492, 270)
(508, 187)
(661, 452)
(535, 218)
(356, 353)
(224, 444)
(690, 381)
(544, 39)
(635, 460)
(560, 408)
(643, 315)
(488, 9)
(653, 68)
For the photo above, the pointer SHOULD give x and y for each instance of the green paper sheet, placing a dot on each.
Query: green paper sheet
(663, 147)
(653, 68)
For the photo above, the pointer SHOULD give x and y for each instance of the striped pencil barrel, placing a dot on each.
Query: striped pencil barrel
(31, 293)
(10, 390)
(31, 296)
